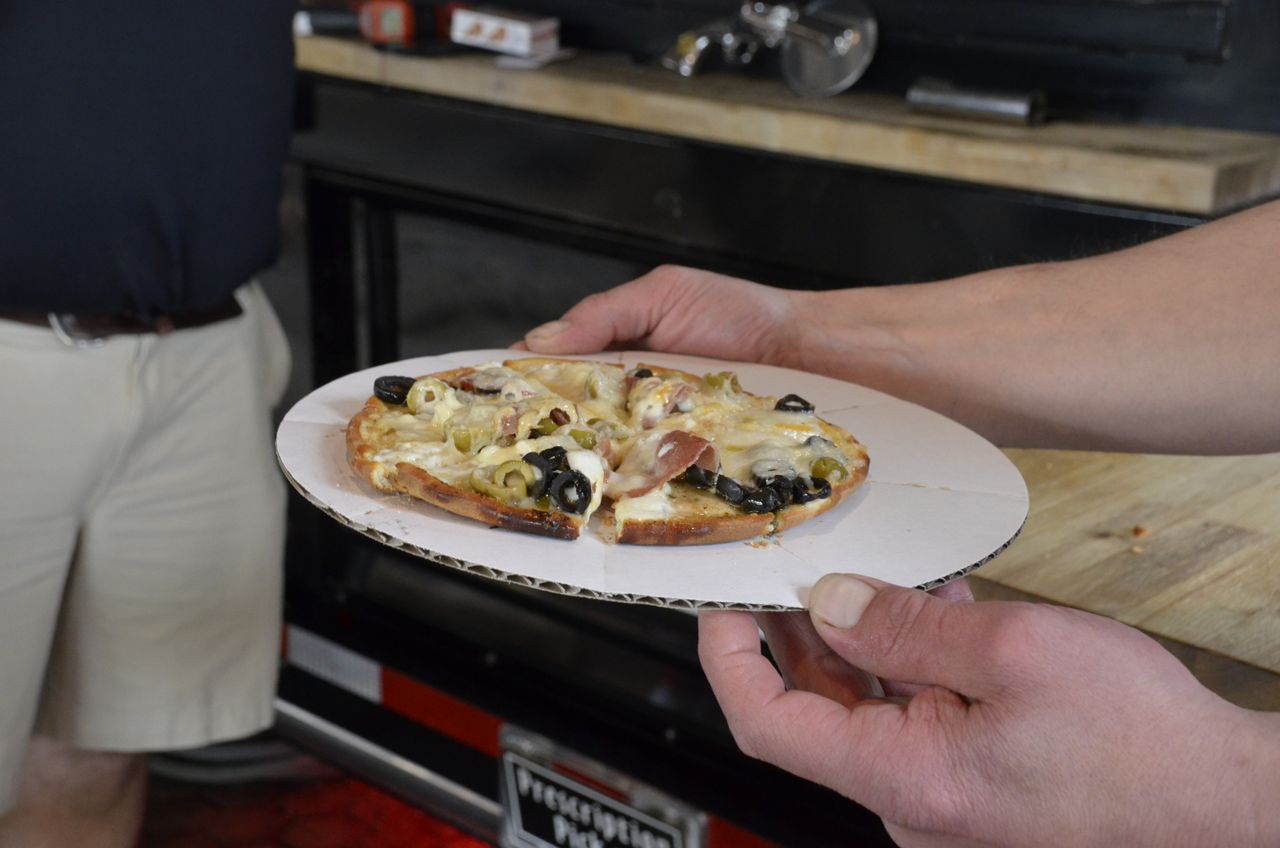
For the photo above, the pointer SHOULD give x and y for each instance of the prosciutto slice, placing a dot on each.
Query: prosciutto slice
(658, 458)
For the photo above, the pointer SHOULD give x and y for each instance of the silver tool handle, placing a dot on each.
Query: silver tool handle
(1007, 107)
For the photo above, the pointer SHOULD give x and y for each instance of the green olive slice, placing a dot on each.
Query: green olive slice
(828, 469)
(509, 482)
(516, 475)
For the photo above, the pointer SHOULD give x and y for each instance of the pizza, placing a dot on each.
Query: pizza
(658, 456)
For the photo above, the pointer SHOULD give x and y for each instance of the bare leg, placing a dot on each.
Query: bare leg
(72, 798)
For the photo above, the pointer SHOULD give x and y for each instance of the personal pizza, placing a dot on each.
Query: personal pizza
(660, 456)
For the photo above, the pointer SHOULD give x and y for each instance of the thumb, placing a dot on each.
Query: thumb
(911, 636)
(626, 314)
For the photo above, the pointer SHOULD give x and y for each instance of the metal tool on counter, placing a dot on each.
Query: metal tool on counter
(942, 97)
(825, 47)
(379, 22)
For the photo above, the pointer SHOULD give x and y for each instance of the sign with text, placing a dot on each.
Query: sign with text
(548, 809)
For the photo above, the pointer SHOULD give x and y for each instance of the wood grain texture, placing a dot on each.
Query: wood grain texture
(1171, 168)
(1202, 574)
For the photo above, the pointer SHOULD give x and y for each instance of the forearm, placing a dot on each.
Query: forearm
(1173, 346)
(1256, 752)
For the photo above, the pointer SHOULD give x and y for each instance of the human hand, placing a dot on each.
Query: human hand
(1009, 724)
(680, 310)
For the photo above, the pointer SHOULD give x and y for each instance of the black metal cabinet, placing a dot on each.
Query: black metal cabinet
(370, 153)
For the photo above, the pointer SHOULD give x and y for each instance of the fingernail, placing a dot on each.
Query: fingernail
(839, 600)
(547, 330)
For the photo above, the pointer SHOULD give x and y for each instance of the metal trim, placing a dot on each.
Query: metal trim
(433, 792)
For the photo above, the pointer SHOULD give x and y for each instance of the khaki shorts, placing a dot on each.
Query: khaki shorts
(141, 534)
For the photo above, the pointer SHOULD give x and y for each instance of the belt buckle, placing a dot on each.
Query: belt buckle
(64, 327)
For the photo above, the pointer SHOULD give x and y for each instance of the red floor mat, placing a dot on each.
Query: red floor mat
(342, 813)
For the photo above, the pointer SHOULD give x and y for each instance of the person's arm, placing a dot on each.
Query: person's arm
(1171, 346)
(1014, 724)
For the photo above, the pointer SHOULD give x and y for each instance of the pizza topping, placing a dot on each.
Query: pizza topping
(425, 394)
(542, 416)
(476, 426)
(757, 501)
(827, 468)
(724, 381)
(776, 485)
(593, 468)
(657, 458)
(793, 403)
(806, 490)
(406, 427)
(655, 506)
(729, 489)
(439, 458)
(498, 380)
(508, 482)
(601, 385)
(652, 399)
(557, 457)
(700, 477)
(571, 491)
(543, 473)
(770, 468)
(391, 389)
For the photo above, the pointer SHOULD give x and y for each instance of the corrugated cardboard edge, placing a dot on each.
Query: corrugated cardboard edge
(493, 573)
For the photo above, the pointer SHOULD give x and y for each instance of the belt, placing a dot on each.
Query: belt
(90, 330)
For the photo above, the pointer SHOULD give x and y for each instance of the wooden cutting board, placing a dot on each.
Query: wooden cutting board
(1184, 548)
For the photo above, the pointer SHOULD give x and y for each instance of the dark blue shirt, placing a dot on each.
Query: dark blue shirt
(141, 149)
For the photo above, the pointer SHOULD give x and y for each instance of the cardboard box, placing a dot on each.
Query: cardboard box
(514, 33)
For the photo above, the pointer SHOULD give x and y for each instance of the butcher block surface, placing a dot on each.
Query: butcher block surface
(1184, 548)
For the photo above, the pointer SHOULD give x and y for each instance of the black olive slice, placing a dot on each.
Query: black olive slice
(392, 389)
(557, 457)
(793, 403)
(641, 373)
(545, 472)
(783, 487)
(571, 491)
(729, 489)
(810, 489)
(700, 477)
(758, 501)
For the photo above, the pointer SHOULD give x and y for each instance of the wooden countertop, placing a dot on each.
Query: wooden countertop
(1198, 171)
(1204, 577)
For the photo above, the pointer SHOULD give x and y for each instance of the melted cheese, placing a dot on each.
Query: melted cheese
(440, 459)
(636, 468)
(591, 466)
(745, 430)
(654, 506)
